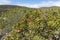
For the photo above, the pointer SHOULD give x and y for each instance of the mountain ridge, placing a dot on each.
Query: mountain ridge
(25, 6)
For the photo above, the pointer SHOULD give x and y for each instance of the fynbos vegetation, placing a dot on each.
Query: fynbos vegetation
(22, 23)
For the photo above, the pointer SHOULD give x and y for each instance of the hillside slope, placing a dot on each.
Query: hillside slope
(9, 15)
(22, 23)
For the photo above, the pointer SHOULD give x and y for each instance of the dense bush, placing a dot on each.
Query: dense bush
(21, 23)
(37, 25)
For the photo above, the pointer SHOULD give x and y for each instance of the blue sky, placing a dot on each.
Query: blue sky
(31, 3)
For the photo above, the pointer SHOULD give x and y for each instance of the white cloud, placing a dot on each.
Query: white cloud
(2, 2)
(42, 4)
